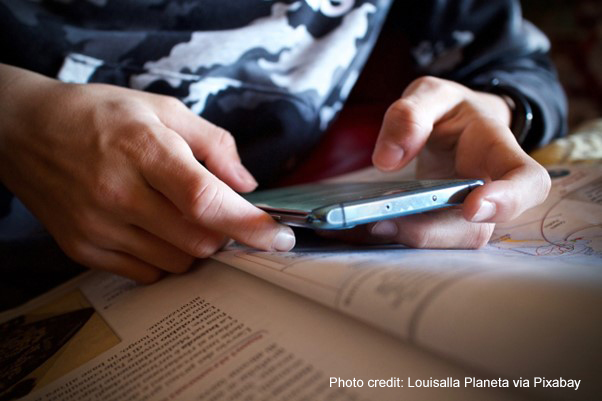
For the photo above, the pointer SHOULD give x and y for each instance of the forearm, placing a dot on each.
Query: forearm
(17, 83)
(21, 101)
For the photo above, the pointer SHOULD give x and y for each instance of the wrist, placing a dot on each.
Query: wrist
(495, 107)
(521, 112)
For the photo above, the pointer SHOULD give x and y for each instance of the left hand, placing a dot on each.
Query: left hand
(456, 133)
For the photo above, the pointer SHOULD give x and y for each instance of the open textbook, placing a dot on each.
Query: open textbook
(519, 319)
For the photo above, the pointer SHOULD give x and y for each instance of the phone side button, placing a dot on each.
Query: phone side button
(336, 217)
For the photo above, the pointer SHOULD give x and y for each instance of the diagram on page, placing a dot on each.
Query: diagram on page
(567, 225)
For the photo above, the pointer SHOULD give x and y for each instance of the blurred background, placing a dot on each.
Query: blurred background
(575, 30)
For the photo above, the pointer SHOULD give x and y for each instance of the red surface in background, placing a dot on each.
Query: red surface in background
(347, 146)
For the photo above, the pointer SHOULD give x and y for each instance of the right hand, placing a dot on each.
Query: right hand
(113, 175)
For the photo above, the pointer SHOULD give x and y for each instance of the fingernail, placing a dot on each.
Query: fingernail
(384, 229)
(485, 212)
(245, 176)
(388, 156)
(284, 241)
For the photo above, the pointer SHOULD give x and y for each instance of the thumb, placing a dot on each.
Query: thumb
(507, 198)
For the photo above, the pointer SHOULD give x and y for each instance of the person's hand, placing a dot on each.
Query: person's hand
(455, 133)
(113, 175)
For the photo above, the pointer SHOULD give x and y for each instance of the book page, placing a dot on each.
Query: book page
(217, 333)
(527, 305)
(567, 226)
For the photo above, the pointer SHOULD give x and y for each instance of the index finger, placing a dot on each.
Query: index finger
(426, 103)
(409, 121)
(171, 169)
(211, 144)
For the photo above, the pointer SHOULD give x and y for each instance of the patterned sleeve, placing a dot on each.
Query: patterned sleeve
(480, 42)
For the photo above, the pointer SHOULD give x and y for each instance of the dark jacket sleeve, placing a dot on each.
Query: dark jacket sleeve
(478, 42)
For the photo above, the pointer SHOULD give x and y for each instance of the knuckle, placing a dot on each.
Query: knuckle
(480, 235)
(405, 114)
(171, 103)
(225, 140)
(93, 230)
(169, 148)
(539, 186)
(404, 109)
(260, 234)
(512, 207)
(138, 141)
(419, 238)
(545, 182)
(204, 247)
(77, 250)
(206, 202)
(133, 140)
(115, 197)
(429, 82)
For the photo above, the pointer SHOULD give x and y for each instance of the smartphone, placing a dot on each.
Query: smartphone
(335, 206)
